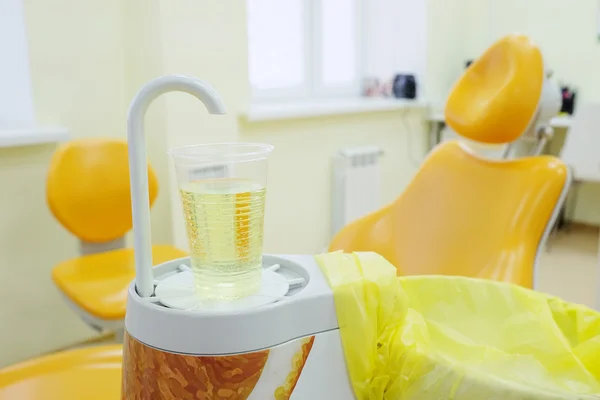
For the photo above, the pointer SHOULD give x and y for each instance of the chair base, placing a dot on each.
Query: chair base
(98, 324)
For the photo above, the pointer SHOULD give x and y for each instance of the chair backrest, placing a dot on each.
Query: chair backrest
(582, 143)
(88, 189)
(464, 215)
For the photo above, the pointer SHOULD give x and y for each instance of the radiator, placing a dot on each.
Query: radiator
(356, 189)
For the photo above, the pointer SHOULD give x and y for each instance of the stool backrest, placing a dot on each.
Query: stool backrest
(88, 189)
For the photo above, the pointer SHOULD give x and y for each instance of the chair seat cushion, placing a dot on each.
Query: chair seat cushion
(98, 283)
(92, 373)
(465, 215)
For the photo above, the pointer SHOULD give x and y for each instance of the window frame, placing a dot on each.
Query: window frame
(313, 86)
(16, 69)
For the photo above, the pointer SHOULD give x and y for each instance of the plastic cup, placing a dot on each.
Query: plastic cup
(223, 188)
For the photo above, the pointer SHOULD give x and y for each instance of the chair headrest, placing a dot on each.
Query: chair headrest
(497, 97)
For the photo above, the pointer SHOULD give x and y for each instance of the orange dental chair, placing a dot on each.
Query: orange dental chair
(466, 215)
(89, 194)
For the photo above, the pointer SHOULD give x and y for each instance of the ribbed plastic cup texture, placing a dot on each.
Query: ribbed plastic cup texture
(223, 189)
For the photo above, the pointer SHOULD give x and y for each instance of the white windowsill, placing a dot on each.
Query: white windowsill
(317, 108)
(32, 136)
(560, 121)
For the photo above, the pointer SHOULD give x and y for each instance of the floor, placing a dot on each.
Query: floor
(569, 266)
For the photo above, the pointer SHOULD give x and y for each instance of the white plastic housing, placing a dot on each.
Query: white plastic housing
(307, 310)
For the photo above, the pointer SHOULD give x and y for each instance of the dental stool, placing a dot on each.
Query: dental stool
(92, 374)
(89, 194)
(463, 214)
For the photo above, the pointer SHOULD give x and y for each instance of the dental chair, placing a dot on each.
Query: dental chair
(89, 194)
(463, 214)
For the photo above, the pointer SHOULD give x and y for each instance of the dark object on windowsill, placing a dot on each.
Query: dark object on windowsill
(405, 86)
(568, 100)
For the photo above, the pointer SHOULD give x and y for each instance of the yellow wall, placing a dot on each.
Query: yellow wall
(89, 58)
(567, 32)
(298, 200)
(215, 51)
(143, 60)
(77, 75)
(446, 52)
(299, 193)
(84, 72)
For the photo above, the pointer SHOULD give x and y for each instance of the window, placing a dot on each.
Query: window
(396, 40)
(16, 104)
(302, 49)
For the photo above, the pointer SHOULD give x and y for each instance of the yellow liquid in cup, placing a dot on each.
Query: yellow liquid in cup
(224, 220)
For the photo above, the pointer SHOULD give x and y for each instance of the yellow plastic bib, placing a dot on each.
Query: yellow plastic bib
(442, 338)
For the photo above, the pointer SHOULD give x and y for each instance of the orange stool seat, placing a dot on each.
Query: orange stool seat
(92, 374)
(98, 283)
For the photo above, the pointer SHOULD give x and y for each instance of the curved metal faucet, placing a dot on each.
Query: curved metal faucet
(138, 165)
